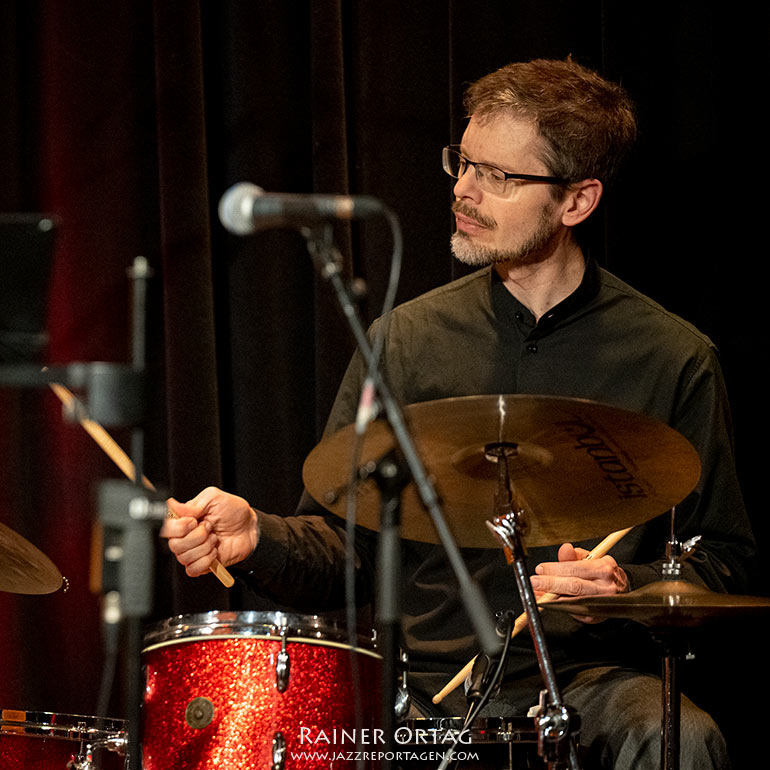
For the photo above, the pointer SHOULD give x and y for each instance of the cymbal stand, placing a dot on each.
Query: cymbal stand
(557, 722)
(674, 649)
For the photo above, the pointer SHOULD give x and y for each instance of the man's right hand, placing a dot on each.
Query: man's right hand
(213, 525)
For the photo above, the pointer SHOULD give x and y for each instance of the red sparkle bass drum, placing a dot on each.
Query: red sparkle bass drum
(246, 690)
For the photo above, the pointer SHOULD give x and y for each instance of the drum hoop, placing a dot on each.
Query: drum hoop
(257, 637)
(65, 726)
(218, 624)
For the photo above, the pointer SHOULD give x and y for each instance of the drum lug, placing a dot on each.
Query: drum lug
(279, 751)
(282, 668)
(403, 697)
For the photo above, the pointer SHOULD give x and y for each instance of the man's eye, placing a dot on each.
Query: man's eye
(492, 174)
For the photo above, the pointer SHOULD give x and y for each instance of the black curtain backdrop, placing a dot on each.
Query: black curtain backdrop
(129, 120)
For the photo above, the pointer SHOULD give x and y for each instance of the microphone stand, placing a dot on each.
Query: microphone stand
(391, 476)
(326, 260)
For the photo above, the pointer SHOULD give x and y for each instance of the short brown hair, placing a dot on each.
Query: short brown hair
(588, 122)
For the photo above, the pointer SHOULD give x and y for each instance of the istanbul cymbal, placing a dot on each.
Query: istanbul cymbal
(23, 568)
(666, 604)
(579, 468)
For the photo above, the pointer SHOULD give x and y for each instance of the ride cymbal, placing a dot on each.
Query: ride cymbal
(579, 468)
(23, 568)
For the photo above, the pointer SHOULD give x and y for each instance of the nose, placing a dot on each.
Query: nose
(466, 185)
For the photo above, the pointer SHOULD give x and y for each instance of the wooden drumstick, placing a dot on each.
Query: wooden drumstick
(114, 451)
(596, 553)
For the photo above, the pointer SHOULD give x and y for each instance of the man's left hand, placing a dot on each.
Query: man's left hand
(573, 576)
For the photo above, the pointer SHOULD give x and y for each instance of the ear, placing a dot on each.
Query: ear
(581, 200)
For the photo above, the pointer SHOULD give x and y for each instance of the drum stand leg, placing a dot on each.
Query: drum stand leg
(670, 729)
(557, 725)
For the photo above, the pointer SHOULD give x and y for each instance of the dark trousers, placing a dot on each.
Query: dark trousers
(621, 713)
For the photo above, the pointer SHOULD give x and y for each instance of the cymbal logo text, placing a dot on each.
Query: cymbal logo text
(608, 460)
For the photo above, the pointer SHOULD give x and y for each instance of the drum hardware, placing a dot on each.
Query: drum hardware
(282, 665)
(279, 751)
(199, 713)
(403, 697)
(677, 553)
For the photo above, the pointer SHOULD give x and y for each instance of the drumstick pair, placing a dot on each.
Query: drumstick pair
(113, 450)
(596, 553)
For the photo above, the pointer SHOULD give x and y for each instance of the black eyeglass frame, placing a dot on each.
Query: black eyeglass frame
(454, 148)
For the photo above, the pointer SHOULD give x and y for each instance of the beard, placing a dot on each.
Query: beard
(535, 248)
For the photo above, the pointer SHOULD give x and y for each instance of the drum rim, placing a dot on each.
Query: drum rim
(216, 624)
(57, 724)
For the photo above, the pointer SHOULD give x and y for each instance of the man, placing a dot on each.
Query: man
(543, 140)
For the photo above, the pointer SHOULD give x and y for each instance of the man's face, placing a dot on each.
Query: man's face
(524, 226)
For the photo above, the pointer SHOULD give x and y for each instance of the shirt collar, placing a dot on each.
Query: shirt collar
(507, 308)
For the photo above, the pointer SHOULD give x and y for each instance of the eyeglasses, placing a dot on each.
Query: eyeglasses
(490, 179)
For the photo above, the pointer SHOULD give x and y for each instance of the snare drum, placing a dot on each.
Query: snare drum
(246, 690)
(47, 741)
(493, 743)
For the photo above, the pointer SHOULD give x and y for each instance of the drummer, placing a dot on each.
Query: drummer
(541, 147)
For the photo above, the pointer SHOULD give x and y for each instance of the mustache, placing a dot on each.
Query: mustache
(460, 207)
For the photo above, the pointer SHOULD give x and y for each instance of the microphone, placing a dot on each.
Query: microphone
(245, 208)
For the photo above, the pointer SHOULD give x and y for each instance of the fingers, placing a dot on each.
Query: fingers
(574, 575)
(593, 569)
(186, 514)
(564, 586)
(191, 540)
(196, 507)
(568, 552)
(195, 545)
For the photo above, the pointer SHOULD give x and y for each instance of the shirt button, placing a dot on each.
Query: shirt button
(532, 347)
(518, 315)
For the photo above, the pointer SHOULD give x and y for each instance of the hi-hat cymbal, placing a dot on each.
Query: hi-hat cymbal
(666, 604)
(23, 568)
(581, 469)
